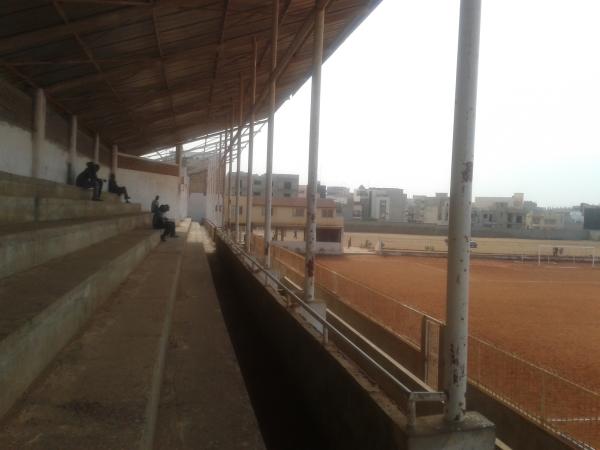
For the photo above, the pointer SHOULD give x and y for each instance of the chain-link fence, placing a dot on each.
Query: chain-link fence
(557, 404)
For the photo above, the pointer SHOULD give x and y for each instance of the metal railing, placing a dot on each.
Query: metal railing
(411, 396)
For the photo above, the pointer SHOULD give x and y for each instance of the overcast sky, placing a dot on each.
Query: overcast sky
(388, 96)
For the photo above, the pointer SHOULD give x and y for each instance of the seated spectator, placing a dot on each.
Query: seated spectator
(160, 222)
(154, 205)
(114, 188)
(88, 179)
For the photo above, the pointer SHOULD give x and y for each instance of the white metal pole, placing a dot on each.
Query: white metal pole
(114, 159)
(313, 157)
(72, 151)
(39, 131)
(223, 172)
(249, 187)
(97, 148)
(230, 151)
(271, 135)
(239, 160)
(459, 229)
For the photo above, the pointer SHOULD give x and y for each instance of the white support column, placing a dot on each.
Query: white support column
(239, 160)
(459, 228)
(114, 161)
(97, 148)
(271, 135)
(179, 158)
(313, 157)
(230, 151)
(39, 132)
(71, 169)
(249, 186)
(222, 169)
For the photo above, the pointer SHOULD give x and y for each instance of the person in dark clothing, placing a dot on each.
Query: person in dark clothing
(160, 222)
(116, 189)
(88, 179)
(154, 205)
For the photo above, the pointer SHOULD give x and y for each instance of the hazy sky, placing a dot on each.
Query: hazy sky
(388, 97)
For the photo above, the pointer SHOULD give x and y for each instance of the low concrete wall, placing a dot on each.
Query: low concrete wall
(322, 248)
(427, 229)
(353, 413)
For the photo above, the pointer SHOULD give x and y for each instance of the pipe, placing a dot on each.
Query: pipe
(239, 161)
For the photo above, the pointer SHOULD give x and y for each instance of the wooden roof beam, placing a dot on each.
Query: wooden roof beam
(218, 53)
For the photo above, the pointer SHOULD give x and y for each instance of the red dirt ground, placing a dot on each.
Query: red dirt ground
(549, 314)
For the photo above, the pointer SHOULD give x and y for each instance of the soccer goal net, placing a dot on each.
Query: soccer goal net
(551, 254)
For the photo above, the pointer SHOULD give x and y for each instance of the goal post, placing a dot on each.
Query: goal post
(570, 253)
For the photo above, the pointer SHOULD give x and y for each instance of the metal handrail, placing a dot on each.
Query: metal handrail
(412, 397)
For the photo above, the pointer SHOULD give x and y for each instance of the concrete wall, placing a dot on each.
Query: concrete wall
(353, 413)
(143, 187)
(366, 226)
(323, 248)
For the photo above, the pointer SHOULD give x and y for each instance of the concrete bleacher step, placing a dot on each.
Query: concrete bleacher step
(17, 209)
(12, 185)
(26, 245)
(42, 308)
(101, 390)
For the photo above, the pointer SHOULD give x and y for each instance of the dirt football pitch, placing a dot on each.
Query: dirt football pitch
(548, 314)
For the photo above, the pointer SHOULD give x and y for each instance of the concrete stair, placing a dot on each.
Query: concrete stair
(42, 308)
(24, 199)
(25, 245)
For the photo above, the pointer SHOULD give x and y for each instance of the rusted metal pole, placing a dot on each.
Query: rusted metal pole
(239, 160)
(271, 135)
(71, 169)
(228, 193)
(313, 157)
(249, 189)
(459, 227)
(39, 131)
(222, 171)
(97, 148)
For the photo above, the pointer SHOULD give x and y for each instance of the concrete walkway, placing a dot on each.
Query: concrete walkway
(204, 403)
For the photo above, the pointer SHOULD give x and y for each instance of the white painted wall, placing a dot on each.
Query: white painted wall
(15, 150)
(197, 205)
(144, 186)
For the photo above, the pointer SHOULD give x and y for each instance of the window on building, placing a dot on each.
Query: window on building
(327, 212)
(287, 194)
(241, 210)
(256, 182)
(287, 185)
(298, 212)
(519, 219)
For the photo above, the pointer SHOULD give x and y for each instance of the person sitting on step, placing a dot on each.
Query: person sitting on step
(88, 179)
(114, 188)
(160, 222)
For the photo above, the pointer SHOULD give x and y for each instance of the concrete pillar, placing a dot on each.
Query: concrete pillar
(249, 185)
(97, 148)
(239, 160)
(39, 131)
(71, 169)
(271, 134)
(313, 158)
(459, 227)
(114, 161)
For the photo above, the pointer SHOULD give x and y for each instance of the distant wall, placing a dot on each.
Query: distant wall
(426, 229)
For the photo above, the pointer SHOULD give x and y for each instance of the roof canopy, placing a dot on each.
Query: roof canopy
(147, 74)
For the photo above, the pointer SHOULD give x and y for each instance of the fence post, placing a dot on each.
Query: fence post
(425, 347)
(441, 358)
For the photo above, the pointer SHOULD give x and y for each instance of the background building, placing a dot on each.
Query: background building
(284, 185)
